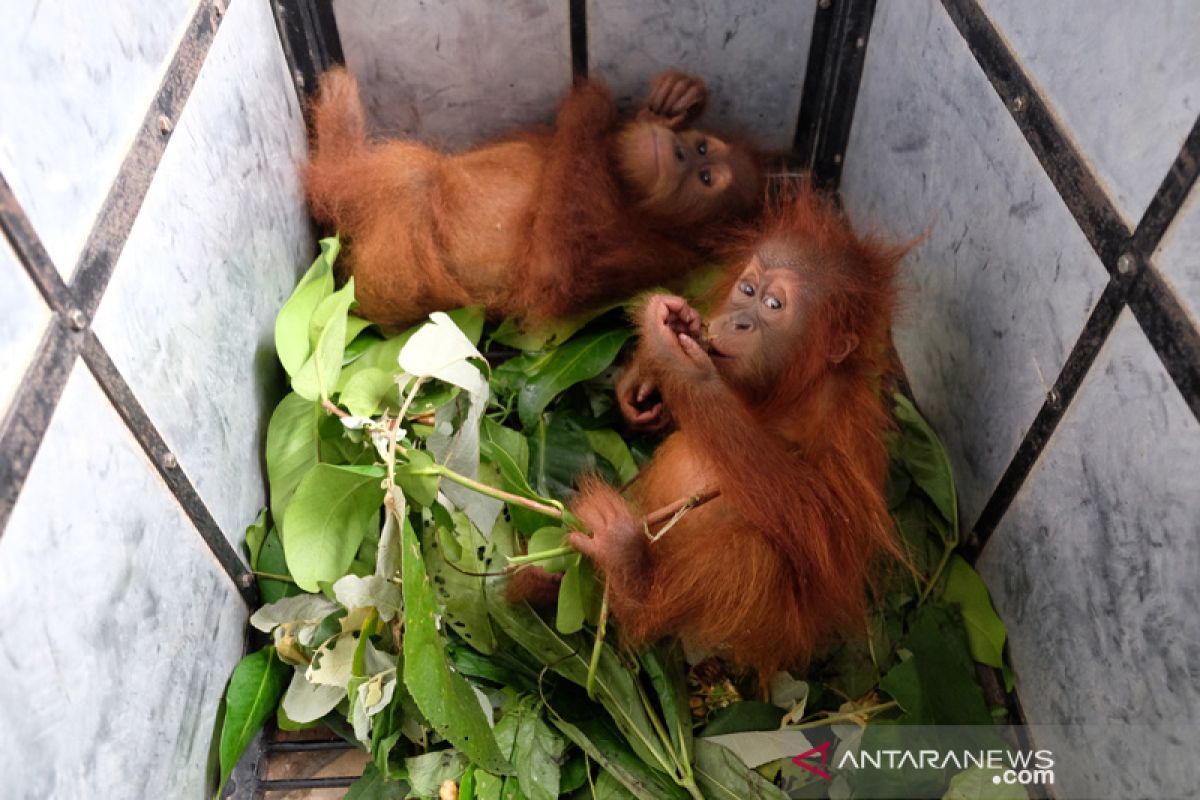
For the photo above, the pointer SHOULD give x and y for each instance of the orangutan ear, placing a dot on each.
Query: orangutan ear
(843, 347)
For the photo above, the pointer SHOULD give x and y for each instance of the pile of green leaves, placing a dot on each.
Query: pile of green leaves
(406, 471)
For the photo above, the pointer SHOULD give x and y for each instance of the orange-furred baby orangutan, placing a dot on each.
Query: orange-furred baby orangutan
(778, 407)
(542, 224)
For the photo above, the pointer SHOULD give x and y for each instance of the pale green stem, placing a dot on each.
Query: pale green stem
(542, 555)
(937, 573)
(849, 716)
(601, 629)
(275, 577)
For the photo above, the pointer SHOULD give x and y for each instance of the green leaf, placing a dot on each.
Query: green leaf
(292, 449)
(427, 773)
(985, 631)
(318, 377)
(457, 578)
(551, 537)
(665, 668)
(522, 336)
(609, 788)
(722, 776)
(271, 559)
(609, 445)
(442, 695)
(936, 684)
(577, 360)
(355, 326)
(374, 786)
(572, 600)
(925, 459)
(331, 511)
(381, 355)
(508, 451)
(291, 325)
(558, 454)
(256, 534)
(596, 737)
(469, 320)
(537, 749)
(568, 655)
(417, 479)
(755, 748)
(254, 690)
(748, 715)
(364, 393)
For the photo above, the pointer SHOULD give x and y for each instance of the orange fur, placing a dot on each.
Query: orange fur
(540, 224)
(779, 564)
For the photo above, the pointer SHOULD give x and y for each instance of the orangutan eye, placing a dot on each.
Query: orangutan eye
(705, 178)
(746, 289)
(702, 148)
(773, 303)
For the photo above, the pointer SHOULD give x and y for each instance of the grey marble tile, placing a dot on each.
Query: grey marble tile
(752, 54)
(454, 74)
(1178, 255)
(997, 294)
(119, 629)
(216, 249)
(1094, 569)
(76, 80)
(23, 318)
(1124, 77)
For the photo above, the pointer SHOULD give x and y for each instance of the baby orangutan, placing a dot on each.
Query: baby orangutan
(778, 408)
(542, 224)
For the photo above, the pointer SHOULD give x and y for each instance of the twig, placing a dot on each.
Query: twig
(332, 408)
(666, 512)
(274, 576)
(601, 628)
(542, 555)
(848, 716)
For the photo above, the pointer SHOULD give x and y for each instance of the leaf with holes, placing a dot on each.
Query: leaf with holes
(442, 695)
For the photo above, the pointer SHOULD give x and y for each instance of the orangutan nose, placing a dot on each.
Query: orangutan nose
(742, 323)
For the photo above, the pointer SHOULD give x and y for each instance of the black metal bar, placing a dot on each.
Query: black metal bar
(1171, 194)
(579, 38)
(30, 252)
(306, 747)
(115, 219)
(836, 57)
(812, 94)
(1060, 158)
(291, 784)
(1124, 253)
(25, 423)
(1079, 361)
(1172, 333)
(311, 44)
(168, 467)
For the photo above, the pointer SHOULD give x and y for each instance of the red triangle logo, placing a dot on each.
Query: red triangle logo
(820, 750)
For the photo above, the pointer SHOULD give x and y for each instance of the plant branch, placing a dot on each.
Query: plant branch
(601, 629)
(542, 555)
(274, 576)
(937, 573)
(848, 716)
